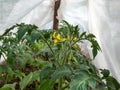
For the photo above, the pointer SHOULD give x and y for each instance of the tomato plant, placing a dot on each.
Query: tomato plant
(50, 60)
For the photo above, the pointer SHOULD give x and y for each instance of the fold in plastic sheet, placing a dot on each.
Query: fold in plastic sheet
(75, 12)
(104, 20)
(39, 12)
(5, 9)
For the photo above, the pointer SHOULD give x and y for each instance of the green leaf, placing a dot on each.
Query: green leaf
(26, 81)
(105, 72)
(112, 83)
(94, 51)
(29, 57)
(92, 83)
(47, 84)
(21, 31)
(21, 62)
(8, 30)
(95, 47)
(64, 70)
(82, 35)
(41, 63)
(8, 87)
(8, 70)
(29, 79)
(19, 74)
(76, 31)
(91, 36)
(31, 28)
(35, 35)
(46, 72)
(38, 46)
(46, 35)
(83, 81)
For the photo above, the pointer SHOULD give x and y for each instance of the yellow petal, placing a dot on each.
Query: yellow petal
(55, 41)
(54, 34)
(58, 37)
(68, 37)
(75, 39)
(63, 39)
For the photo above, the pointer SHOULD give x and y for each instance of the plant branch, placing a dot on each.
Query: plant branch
(60, 84)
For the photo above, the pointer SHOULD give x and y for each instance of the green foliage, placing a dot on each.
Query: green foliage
(8, 87)
(61, 72)
(46, 84)
(105, 73)
(111, 82)
(29, 79)
(50, 60)
(83, 81)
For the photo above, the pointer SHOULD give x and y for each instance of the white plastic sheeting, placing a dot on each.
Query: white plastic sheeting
(75, 12)
(5, 8)
(39, 12)
(103, 22)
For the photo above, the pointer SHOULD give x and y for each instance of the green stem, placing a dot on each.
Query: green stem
(47, 43)
(64, 55)
(65, 86)
(51, 51)
(49, 47)
(68, 52)
(60, 84)
(78, 40)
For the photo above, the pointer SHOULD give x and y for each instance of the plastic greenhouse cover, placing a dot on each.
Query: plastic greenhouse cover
(40, 12)
(104, 22)
(102, 16)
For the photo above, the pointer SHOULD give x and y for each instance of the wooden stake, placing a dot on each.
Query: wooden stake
(55, 20)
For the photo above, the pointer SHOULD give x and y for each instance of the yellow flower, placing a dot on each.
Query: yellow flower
(63, 39)
(68, 37)
(75, 39)
(58, 37)
(55, 41)
(54, 35)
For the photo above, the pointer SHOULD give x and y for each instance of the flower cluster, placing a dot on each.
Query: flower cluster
(57, 38)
